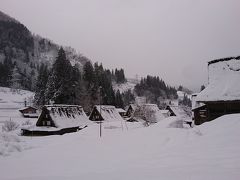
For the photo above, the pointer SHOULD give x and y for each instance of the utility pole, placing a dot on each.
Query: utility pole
(100, 123)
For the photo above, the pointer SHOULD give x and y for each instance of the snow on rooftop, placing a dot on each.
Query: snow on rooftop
(23, 108)
(164, 111)
(134, 106)
(178, 111)
(195, 104)
(224, 78)
(109, 113)
(120, 110)
(65, 116)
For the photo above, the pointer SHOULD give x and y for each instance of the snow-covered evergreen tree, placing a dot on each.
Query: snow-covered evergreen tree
(16, 78)
(119, 100)
(59, 84)
(42, 80)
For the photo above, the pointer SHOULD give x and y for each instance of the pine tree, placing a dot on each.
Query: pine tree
(88, 73)
(128, 98)
(180, 88)
(41, 84)
(153, 88)
(119, 100)
(59, 83)
(16, 78)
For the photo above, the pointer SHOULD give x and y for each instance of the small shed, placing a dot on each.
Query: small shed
(173, 110)
(105, 113)
(62, 116)
(29, 112)
(130, 110)
(180, 111)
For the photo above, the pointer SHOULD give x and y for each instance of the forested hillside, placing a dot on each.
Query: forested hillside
(22, 53)
(66, 84)
(153, 88)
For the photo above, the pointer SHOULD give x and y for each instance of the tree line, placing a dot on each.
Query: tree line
(12, 76)
(153, 88)
(66, 84)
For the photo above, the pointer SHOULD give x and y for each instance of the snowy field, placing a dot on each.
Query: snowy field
(10, 102)
(161, 151)
(128, 151)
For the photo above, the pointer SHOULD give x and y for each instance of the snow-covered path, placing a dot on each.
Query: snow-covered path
(210, 151)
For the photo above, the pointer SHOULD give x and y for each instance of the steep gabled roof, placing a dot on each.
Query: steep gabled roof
(164, 111)
(24, 108)
(176, 110)
(65, 116)
(120, 110)
(109, 113)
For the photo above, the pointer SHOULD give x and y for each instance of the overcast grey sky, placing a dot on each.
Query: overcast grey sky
(173, 39)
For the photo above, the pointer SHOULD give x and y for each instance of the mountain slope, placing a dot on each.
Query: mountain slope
(20, 48)
(5, 17)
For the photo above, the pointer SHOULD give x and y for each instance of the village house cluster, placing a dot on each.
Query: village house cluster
(220, 97)
(60, 119)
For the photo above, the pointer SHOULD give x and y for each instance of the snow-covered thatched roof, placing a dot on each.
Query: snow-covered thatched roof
(65, 116)
(164, 111)
(120, 110)
(109, 113)
(28, 107)
(134, 106)
(176, 110)
(224, 78)
(195, 104)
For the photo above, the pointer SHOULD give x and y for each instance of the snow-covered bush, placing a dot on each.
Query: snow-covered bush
(9, 126)
(27, 123)
(10, 143)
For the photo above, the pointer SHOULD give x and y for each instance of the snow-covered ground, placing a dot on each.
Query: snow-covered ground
(10, 102)
(160, 151)
(12, 98)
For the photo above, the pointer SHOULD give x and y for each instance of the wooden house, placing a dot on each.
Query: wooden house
(222, 95)
(173, 110)
(29, 112)
(180, 111)
(130, 110)
(105, 113)
(62, 116)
